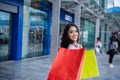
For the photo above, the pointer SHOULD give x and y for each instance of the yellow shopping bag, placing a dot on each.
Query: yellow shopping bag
(90, 69)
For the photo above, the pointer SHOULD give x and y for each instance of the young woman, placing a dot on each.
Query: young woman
(62, 64)
(113, 45)
(70, 37)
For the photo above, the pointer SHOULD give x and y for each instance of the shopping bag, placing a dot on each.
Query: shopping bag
(90, 68)
(67, 65)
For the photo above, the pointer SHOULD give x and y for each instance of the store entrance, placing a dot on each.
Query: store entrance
(5, 20)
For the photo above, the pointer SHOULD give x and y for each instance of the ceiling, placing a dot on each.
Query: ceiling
(69, 5)
(88, 11)
(113, 19)
(92, 12)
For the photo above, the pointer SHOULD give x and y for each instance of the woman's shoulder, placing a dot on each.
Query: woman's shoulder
(75, 46)
(70, 46)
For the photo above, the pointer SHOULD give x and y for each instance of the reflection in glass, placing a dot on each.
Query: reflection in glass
(35, 30)
(4, 35)
(88, 34)
(38, 26)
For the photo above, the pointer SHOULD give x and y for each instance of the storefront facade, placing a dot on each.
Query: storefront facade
(11, 22)
(28, 27)
(24, 29)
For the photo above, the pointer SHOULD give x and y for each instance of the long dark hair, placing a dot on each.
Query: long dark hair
(65, 40)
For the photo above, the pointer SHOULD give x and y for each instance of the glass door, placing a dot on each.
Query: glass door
(37, 32)
(4, 36)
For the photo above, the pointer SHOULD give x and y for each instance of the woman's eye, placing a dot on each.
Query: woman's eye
(71, 31)
(76, 31)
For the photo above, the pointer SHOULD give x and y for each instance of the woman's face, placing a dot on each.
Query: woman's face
(73, 34)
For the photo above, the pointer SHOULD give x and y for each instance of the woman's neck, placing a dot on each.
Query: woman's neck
(75, 44)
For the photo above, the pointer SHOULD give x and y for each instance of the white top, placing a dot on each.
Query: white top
(99, 44)
(72, 46)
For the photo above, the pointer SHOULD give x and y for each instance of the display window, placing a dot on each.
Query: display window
(4, 36)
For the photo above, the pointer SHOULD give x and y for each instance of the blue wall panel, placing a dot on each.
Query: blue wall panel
(49, 28)
(47, 7)
(113, 10)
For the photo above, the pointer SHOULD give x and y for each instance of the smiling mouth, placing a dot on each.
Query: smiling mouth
(74, 37)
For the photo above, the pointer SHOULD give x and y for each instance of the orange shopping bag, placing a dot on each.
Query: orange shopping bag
(67, 65)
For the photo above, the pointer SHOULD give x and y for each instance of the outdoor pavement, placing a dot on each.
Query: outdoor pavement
(38, 68)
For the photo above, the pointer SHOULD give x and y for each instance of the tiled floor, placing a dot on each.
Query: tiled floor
(38, 68)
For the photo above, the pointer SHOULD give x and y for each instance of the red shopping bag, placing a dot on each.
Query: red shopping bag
(67, 65)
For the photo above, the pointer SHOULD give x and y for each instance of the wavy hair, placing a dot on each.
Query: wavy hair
(65, 40)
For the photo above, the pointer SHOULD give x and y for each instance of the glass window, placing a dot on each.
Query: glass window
(105, 36)
(4, 35)
(35, 30)
(88, 34)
